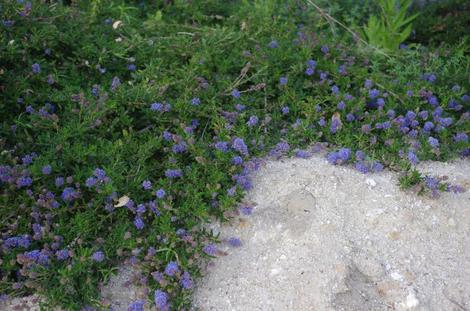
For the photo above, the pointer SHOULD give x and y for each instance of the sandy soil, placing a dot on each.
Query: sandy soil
(330, 238)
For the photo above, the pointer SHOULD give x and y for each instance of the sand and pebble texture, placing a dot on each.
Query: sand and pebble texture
(324, 237)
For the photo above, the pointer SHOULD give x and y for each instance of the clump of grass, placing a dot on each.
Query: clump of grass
(125, 128)
(412, 178)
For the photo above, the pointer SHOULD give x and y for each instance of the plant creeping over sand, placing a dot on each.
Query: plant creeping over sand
(125, 128)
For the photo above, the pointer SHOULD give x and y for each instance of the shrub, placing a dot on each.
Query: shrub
(126, 128)
(441, 22)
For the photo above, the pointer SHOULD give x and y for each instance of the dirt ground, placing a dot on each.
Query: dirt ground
(330, 238)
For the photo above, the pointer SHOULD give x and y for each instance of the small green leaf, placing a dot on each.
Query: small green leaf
(158, 16)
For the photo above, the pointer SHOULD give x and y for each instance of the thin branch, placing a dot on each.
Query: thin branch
(186, 33)
(393, 94)
(329, 18)
(239, 79)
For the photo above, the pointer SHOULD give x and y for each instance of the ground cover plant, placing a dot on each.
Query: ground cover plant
(441, 21)
(126, 127)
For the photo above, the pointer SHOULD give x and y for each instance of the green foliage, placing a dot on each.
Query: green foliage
(442, 21)
(410, 179)
(392, 27)
(73, 117)
(350, 12)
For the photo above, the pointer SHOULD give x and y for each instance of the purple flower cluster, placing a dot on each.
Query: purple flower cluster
(303, 154)
(70, 194)
(139, 223)
(374, 93)
(36, 68)
(413, 158)
(246, 210)
(433, 142)
(339, 157)
(195, 101)
(161, 300)
(24, 181)
(234, 242)
(243, 180)
(280, 149)
(160, 107)
(62, 254)
(311, 65)
(335, 125)
(210, 249)
(46, 170)
(39, 257)
(335, 89)
(98, 256)
(240, 146)
(430, 77)
(115, 84)
(160, 193)
(8, 23)
(28, 159)
(325, 49)
(273, 44)
(180, 147)
(17, 242)
(221, 146)
(136, 306)
(368, 166)
(461, 137)
(147, 185)
(173, 173)
(186, 280)
(172, 268)
(236, 93)
(435, 185)
(98, 179)
(237, 160)
(252, 121)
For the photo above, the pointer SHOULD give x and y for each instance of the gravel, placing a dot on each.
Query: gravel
(324, 237)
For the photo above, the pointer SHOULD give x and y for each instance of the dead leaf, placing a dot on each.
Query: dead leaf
(245, 69)
(122, 201)
(201, 160)
(116, 24)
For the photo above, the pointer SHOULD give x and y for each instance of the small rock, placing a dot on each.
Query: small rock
(411, 300)
(396, 276)
(275, 271)
(452, 222)
(371, 183)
